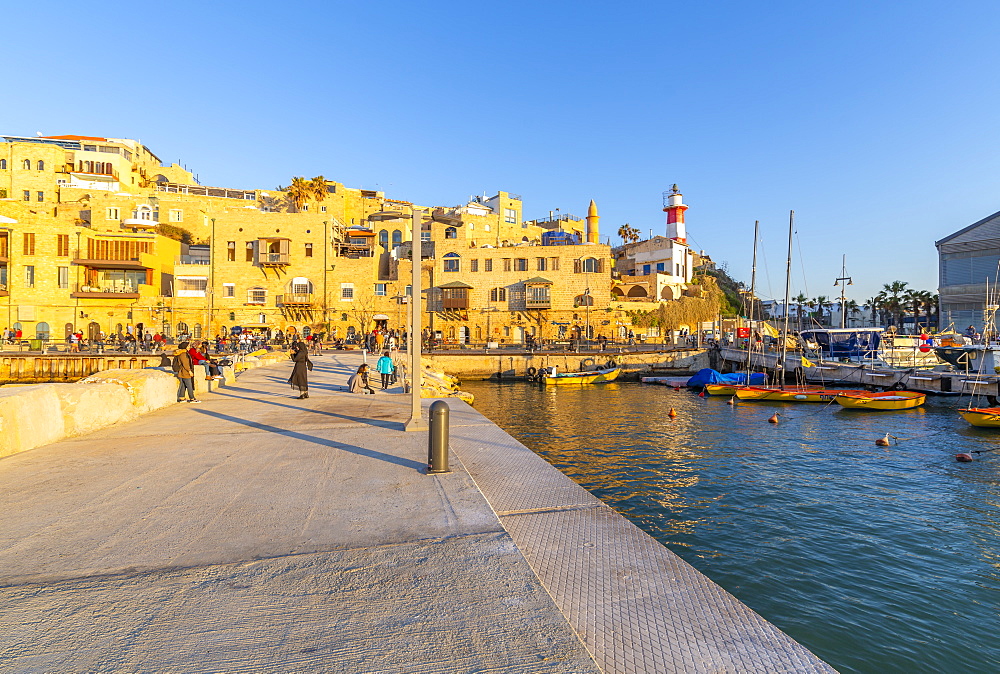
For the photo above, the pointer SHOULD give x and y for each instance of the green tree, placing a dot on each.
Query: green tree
(800, 302)
(318, 186)
(628, 233)
(299, 192)
(893, 301)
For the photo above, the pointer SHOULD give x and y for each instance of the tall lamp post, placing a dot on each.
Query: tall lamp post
(416, 421)
(840, 282)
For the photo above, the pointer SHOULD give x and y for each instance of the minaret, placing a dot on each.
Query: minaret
(674, 209)
(593, 221)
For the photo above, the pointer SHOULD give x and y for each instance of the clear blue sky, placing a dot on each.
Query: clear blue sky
(876, 121)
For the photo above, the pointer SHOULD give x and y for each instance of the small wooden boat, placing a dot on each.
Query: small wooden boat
(985, 417)
(721, 389)
(885, 400)
(599, 376)
(787, 394)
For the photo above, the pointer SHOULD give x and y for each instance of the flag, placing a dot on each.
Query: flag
(767, 329)
(807, 363)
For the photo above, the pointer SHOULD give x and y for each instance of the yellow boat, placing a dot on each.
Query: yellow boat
(590, 377)
(788, 394)
(985, 417)
(886, 400)
(721, 389)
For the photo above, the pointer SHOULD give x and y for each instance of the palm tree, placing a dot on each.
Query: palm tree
(915, 300)
(823, 303)
(893, 293)
(318, 186)
(799, 300)
(628, 233)
(299, 191)
(851, 307)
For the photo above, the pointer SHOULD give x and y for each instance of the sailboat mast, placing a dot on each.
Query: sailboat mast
(788, 291)
(750, 300)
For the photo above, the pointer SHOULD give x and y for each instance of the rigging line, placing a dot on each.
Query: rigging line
(802, 264)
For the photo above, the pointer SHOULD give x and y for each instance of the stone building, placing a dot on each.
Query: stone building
(98, 234)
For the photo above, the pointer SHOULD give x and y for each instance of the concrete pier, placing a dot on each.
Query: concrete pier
(260, 533)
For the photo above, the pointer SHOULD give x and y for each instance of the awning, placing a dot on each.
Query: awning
(380, 317)
(538, 280)
(256, 325)
(112, 264)
(455, 284)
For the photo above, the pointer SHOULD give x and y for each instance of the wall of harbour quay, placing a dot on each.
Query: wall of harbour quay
(32, 415)
(515, 364)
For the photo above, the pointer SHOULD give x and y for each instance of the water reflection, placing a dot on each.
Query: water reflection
(876, 558)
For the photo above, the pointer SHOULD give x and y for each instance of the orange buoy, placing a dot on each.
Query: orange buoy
(883, 442)
(773, 418)
(963, 458)
(701, 395)
(671, 413)
(731, 401)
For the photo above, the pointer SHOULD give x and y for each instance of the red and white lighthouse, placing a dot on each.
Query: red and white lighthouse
(674, 209)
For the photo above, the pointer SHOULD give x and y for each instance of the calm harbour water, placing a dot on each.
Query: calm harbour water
(877, 559)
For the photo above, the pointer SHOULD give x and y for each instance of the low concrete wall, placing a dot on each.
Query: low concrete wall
(38, 414)
(634, 364)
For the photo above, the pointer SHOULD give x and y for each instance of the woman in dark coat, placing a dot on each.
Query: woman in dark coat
(299, 380)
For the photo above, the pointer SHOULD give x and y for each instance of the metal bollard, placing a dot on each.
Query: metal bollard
(437, 438)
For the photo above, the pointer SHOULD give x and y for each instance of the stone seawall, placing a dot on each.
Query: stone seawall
(513, 365)
(32, 415)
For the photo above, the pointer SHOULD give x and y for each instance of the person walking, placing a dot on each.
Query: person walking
(358, 383)
(184, 369)
(299, 380)
(385, 367)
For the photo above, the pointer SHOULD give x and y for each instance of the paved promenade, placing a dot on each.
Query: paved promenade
(260, 533)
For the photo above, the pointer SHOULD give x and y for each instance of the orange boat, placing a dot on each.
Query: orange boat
(789, 394)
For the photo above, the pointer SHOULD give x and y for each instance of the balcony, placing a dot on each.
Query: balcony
(455, 296)
(111, 264)
(108, 290)
(301, 300)
(538, 293)
(273, 259)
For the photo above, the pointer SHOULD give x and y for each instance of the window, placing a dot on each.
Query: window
(473, 265)
(521, 264)
(3, 164)
(90, 148)
(27, 164)
(112, 214)
(498, 295)
(645, 268)
(425, 237)
(249, 251)
(383, 238)
(409, 291)
(29, 243)
(231, 251)
(40, 165)
(197, 331)
(309, 250)
(192, 286)
(380, 289)
(397, 237)
(176, 215)
(62, 245)
(347, 291)
(40, 196)
(488, 265)
(486, 227)
(256, 296)
(540, 263)
(509, 215)
(26, 195)
(343, 317)
(452, 262)
(3, 194)
(590, 265)
(229, 290)
(29, 276)
(660, 266)
(506, 264)
(322, 209)
(450, 233)
(63, 274)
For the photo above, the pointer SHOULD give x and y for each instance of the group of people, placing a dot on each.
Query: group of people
(185, 358)
(358, 383)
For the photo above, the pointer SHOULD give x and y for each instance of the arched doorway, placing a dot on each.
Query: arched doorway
(93, 331)
(463, 335)
(42, 331)
(67, 330)
(519, 335)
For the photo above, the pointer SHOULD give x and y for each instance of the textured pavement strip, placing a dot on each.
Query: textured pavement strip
(259, 533)
(637, 605)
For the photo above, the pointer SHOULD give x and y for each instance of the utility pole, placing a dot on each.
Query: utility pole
(416, 421)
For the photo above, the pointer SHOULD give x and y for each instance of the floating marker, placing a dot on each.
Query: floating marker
(883, 442)
(731, 401)
(963, 458)
(701, 395)
(671, 413)
(773, 418)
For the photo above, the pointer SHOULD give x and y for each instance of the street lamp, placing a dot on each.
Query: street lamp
(837, 282)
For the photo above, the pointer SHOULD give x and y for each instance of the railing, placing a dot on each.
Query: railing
(191, 259)
(538, 304)
(273, 258)
(207, 191)
(106, 288)
(293, 299)
(449, 303)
